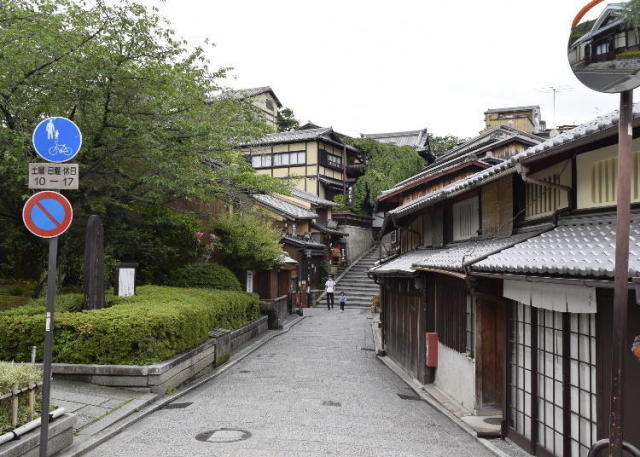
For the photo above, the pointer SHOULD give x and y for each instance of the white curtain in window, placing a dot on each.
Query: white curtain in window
(554, 297)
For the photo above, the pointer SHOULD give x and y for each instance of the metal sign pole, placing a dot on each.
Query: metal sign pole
(621, 276)
(48, 345)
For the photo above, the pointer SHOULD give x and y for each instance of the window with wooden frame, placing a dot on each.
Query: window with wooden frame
(543, 201)
(455, 314)
(466, 219)
(597, 176)
(551, 381)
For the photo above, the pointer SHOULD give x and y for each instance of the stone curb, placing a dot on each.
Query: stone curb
(163, 400)
(417, 388)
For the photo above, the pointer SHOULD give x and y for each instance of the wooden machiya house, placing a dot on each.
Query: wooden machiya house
(324, 165)
(512, 268)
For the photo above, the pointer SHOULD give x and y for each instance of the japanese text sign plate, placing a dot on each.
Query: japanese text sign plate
(54, 176)
(47, 214)
(57, 139)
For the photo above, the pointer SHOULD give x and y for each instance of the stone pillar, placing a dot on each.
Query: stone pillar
(94, 264)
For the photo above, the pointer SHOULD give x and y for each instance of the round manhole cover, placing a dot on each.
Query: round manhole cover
(493, 420)
(223, 435)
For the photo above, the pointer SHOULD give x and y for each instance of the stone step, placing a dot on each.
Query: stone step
(357, 286)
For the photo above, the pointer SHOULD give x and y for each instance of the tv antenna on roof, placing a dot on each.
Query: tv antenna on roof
(555, 90)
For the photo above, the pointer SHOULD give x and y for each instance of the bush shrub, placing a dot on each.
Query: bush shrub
(630, 54)
(23, 375)
(154, 325)
(205, 275)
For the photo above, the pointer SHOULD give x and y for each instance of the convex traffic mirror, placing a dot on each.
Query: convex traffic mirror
(604, 46)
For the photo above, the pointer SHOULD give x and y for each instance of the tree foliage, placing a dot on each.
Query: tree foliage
(148, 109)
(441, 144)
(286, 120)
(386, 165)
(632, 13)
(247, 242)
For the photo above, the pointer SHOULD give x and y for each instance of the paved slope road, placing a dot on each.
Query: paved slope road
(315, 391)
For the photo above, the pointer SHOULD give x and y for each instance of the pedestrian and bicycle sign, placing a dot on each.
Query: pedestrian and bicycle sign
(57, 139)
(47, 214)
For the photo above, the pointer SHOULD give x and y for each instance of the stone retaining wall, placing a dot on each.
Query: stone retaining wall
(167, 374)
(60, 436)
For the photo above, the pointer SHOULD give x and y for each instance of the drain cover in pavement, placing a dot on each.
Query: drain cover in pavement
(177, 405)
(410, 397)
(223, 435)
(331, 403)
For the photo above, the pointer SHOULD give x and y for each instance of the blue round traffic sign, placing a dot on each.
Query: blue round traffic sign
(57, 139)
(47, 214)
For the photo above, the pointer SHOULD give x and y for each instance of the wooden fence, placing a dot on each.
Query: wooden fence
(16, 397)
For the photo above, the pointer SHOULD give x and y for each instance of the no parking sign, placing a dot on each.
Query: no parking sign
(47, 214)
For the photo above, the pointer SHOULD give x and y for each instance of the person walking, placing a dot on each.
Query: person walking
(342, 298)
(329, 287)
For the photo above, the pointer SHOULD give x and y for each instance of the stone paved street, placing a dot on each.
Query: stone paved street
(315, 391)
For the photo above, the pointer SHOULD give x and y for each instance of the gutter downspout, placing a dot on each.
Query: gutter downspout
(523, 171)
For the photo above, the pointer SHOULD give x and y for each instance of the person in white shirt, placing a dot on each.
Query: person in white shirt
(329, 287)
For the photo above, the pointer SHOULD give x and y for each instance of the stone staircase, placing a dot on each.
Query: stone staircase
(356, 284)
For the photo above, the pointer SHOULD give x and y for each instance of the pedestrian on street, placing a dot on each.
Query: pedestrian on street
(329, 287)
(342, 298)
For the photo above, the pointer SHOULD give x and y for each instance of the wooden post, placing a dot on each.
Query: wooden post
(94, 264)
(32, 400)
(14, 405)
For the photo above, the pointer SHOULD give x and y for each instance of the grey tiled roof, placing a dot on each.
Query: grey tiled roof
(300, 242)
(323, 228)
(456, 256)
(402, 264)
(465, 152)
(293, 136)
(415, 138)
(254, 91)
(583, 131)
(311, 198)
(580, 246)
(284, 207)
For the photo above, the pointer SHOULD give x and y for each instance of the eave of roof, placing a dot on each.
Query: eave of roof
(431, 177)
(284, 208)
(313, 199)
(600, 127)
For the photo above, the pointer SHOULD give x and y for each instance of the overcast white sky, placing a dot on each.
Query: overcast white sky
(381, 66)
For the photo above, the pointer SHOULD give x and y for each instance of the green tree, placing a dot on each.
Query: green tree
(386, 165)
(632, 13)
(286, 120)
(246, 242)
(150, 116)
(441, 144)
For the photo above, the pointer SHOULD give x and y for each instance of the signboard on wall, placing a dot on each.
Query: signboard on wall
(249, 285)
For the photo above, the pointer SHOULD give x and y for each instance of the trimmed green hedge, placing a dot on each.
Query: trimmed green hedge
(156, 324)
(630, 54)
(210, 275)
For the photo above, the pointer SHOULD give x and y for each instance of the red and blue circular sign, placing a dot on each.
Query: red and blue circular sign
(47, 214)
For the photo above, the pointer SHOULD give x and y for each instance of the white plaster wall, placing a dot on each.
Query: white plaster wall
(359, 241)
(456, 376)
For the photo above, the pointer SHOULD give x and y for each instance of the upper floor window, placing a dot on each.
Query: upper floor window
(597, 176)
(282, 159)
(466, 220)
(541, 201)
(330, 160)
(261, 161)
(269, 104)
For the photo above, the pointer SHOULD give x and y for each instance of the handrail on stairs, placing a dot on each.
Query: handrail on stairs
(604, 444)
